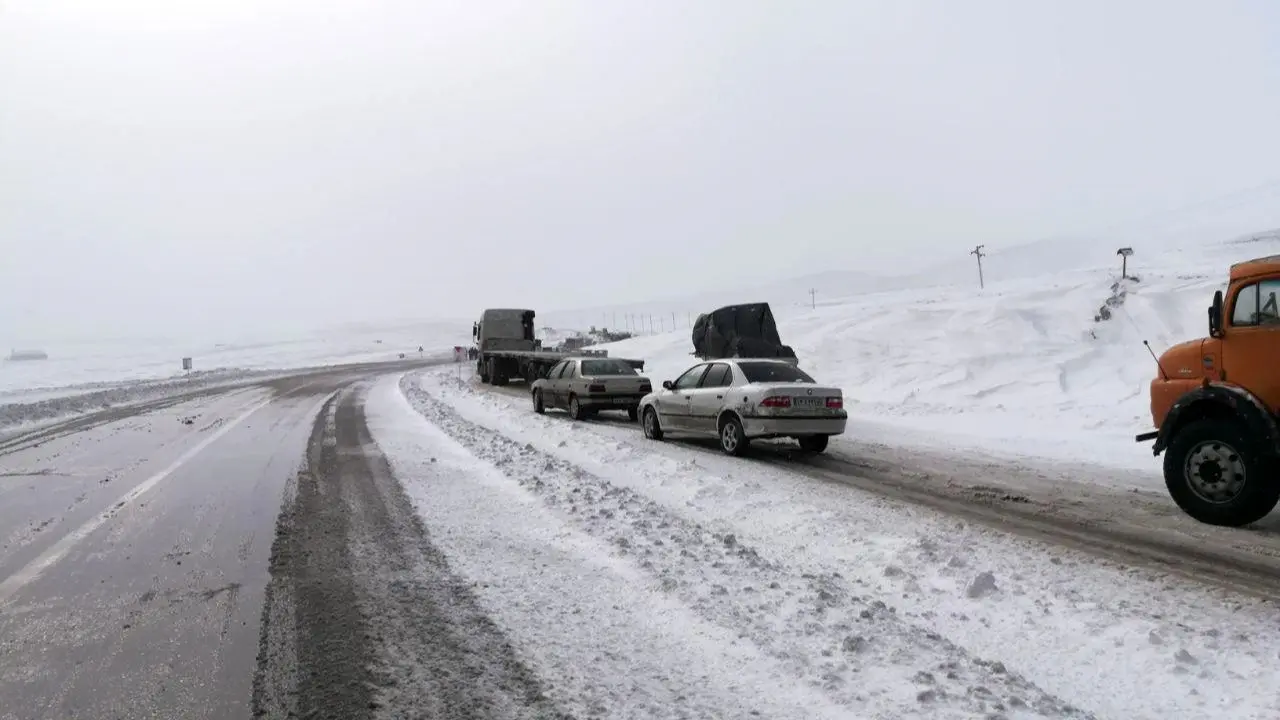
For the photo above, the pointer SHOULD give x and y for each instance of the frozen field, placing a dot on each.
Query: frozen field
(72, 369)
(1021, 367)
(81, 378)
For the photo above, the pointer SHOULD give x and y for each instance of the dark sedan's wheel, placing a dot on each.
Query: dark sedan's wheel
(652, 428)
(538, 407)
(733, 441)
(814, 443)
(575, 408)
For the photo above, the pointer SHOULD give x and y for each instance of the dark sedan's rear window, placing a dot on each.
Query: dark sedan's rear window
(606, 367)
(760, 372)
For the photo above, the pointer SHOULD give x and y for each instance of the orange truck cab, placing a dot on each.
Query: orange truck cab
(1215, 402)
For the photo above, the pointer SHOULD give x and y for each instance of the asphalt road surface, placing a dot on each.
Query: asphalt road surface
(246, 552)
(138, 546)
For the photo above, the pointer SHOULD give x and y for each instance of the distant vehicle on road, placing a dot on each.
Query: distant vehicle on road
(737, 401)
(587, 385)
(19, 355)
(507, 348)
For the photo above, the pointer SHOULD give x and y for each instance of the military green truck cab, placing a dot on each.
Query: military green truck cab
(1215, 402)
(508, 348)
(503, 336)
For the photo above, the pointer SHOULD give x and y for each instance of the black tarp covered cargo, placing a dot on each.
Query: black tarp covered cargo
(746, 331)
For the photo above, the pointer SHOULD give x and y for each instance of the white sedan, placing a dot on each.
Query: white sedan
(737, 400)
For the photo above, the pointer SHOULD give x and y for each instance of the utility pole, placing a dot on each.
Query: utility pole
(978, 252)
(673, 320)
(813, 298)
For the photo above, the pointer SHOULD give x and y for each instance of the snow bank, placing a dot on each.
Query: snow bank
(604, 642)
(1020, 367)
(37, 408)
(889, 611)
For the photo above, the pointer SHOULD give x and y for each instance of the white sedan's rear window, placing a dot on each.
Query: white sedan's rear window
(762, 372)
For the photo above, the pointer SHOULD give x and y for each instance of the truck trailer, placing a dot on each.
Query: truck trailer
(508, 348)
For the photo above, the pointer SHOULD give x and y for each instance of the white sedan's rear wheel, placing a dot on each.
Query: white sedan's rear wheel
(652, 428)
(733, 441)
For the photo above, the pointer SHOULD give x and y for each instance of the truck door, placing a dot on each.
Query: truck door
(1251, 345)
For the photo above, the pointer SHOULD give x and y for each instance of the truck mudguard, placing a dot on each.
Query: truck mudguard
(1237, 401)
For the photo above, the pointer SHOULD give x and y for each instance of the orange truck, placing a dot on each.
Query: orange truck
(1216, 402)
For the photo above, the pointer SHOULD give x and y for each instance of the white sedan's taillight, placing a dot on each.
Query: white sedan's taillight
(776, 401)
(835, 403)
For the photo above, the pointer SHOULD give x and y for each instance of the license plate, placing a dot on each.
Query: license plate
(809, 402)
(622, 401)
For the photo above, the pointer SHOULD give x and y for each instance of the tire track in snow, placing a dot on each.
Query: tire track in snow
(364, 617)
(854, 649)
(1082, 608)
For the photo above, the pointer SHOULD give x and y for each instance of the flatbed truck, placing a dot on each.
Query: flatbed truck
(507, 348)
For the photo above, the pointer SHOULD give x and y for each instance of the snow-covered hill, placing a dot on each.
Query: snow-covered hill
(1020, 367)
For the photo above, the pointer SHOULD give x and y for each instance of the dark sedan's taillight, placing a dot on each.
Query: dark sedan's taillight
(646, 388)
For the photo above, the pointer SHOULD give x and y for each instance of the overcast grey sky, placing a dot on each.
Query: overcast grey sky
(215, 164)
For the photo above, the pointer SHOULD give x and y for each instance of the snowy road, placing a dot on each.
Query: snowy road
(134, 550)
(1088, 594)
(365, 544)
(1113, 513)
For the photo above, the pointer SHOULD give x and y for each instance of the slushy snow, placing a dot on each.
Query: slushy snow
(839, 602)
